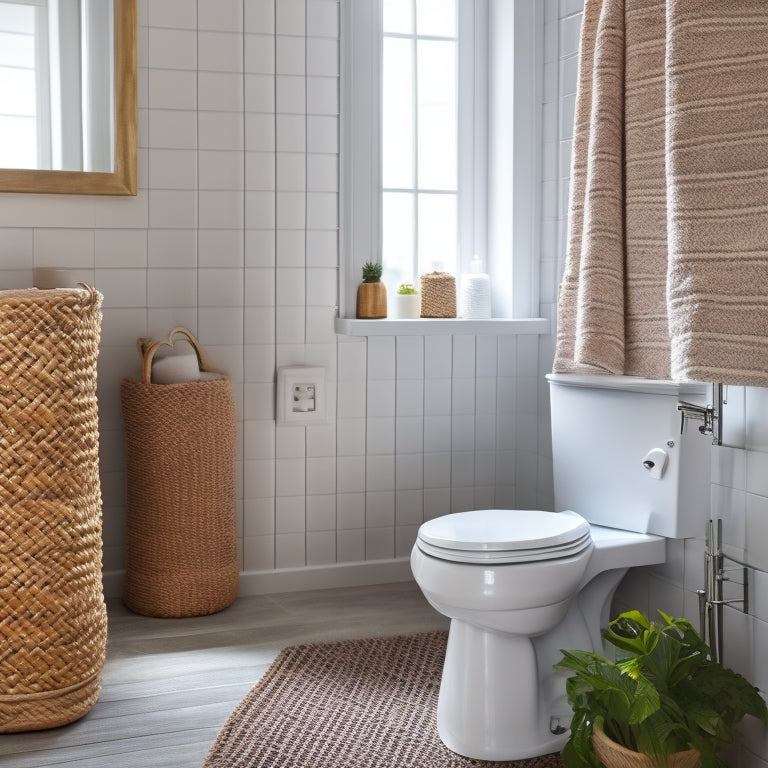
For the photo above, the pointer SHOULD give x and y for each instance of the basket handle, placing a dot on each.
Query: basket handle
(148, 348)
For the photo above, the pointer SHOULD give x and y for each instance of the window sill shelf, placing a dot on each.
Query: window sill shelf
(439, 327)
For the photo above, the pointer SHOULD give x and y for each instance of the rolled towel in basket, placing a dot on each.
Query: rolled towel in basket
(179, 369)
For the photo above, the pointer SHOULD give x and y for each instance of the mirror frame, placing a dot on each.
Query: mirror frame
(123, 180)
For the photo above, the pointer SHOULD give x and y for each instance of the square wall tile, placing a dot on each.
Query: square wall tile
(290, 550)
(350, 546)
(321, 547)
(379, 543)
(321, 513)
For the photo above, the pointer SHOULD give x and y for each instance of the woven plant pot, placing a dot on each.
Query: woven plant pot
(181, 537)
(371, 301)
(53, 621)
(613, 755)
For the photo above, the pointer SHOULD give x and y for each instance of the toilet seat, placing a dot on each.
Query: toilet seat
(499, 536)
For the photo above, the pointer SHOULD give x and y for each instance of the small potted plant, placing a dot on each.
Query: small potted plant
(406, 303)
(663, 702)
(371, 293)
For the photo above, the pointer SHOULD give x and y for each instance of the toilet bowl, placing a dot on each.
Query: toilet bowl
(520, 585)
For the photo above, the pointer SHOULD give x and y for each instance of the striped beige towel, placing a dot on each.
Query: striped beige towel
(647, 289)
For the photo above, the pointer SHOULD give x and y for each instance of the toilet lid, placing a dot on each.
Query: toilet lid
(504, 536)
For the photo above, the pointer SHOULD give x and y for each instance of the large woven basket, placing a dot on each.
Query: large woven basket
(613, 755)
(53, 621)
(181, 538)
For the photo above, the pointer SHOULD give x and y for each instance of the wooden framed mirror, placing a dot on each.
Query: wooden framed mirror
(122, 178)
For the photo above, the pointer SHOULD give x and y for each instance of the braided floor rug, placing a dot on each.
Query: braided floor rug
(351, 704)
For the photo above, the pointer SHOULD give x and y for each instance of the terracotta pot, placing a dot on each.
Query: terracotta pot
(371, 301)
(613, 755)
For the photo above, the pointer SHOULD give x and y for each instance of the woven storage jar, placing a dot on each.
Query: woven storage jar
(181, 537)
(53, 621)
(438, 294)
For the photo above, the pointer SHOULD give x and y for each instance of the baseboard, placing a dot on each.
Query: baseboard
(300, 579)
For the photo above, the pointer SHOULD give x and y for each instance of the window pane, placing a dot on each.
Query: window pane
(438, 232)
(437, 115)
(397, 16)
(18, 149)
(397, 238)
(17, 91)
(17, 50)
(397, 114)
(436, 17)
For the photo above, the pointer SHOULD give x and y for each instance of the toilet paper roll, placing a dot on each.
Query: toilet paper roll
(175, 369)
(56, 277)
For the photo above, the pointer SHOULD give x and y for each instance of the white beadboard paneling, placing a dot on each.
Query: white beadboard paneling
(172, 288)
(350, 474)
(409, 507)
(258, 553)
(321, 513)
(290, 55)
(114, 248)
(379, 473)
(379, 543)
(409, 434)
(381, 398)
(220, 91)
(290, 17)
(757, 472)
(172, 89)
(323, 96)
(290, 550)
(321, 475)
(259, 440)
(259, 53)
(122, 287)
(172, 48)
(322, 57)
(409, 472)
(379, 509)
(220, 51)
(259, 517)
(226, 15)
(350, 511)
(290, 514)
(321, 547)
(350, 545)
(322, 19)
(290, 477)
(437, 397)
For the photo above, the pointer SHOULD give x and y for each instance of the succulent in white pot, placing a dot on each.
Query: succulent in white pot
(406, 303)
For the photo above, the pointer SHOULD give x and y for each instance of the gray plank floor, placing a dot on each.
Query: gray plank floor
(169, 684)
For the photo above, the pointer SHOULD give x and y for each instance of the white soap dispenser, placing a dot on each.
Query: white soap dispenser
(476, 292)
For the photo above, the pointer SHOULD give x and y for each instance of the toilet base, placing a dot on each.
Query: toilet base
(489, 704)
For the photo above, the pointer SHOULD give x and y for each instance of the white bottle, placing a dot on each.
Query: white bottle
(476, 292)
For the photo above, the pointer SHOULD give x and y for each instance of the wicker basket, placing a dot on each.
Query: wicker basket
(613, 755)
(181, 538)
(53, 622)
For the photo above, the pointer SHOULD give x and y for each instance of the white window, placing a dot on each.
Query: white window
(440, 119)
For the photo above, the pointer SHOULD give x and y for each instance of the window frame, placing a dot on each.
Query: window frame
(507, 106)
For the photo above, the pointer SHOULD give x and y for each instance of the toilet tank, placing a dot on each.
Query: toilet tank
(606, 433)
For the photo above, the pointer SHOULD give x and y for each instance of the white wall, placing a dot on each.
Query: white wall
(234, 234)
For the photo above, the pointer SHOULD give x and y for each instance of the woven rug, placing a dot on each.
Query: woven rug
(351, 704)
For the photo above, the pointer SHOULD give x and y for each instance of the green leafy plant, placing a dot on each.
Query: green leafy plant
(663, 694)
(372, 272)
(407, 289)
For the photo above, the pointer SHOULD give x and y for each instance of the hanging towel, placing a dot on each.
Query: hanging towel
(654, 284)
(717, 165)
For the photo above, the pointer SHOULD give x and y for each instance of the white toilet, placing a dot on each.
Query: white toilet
(519, 585)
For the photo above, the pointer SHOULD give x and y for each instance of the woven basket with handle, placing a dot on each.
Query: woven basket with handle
(181, 538)
(53, 622)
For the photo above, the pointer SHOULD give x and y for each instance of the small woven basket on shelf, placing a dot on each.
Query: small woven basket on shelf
(438, 294)
(181, 537)
(53, 621)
